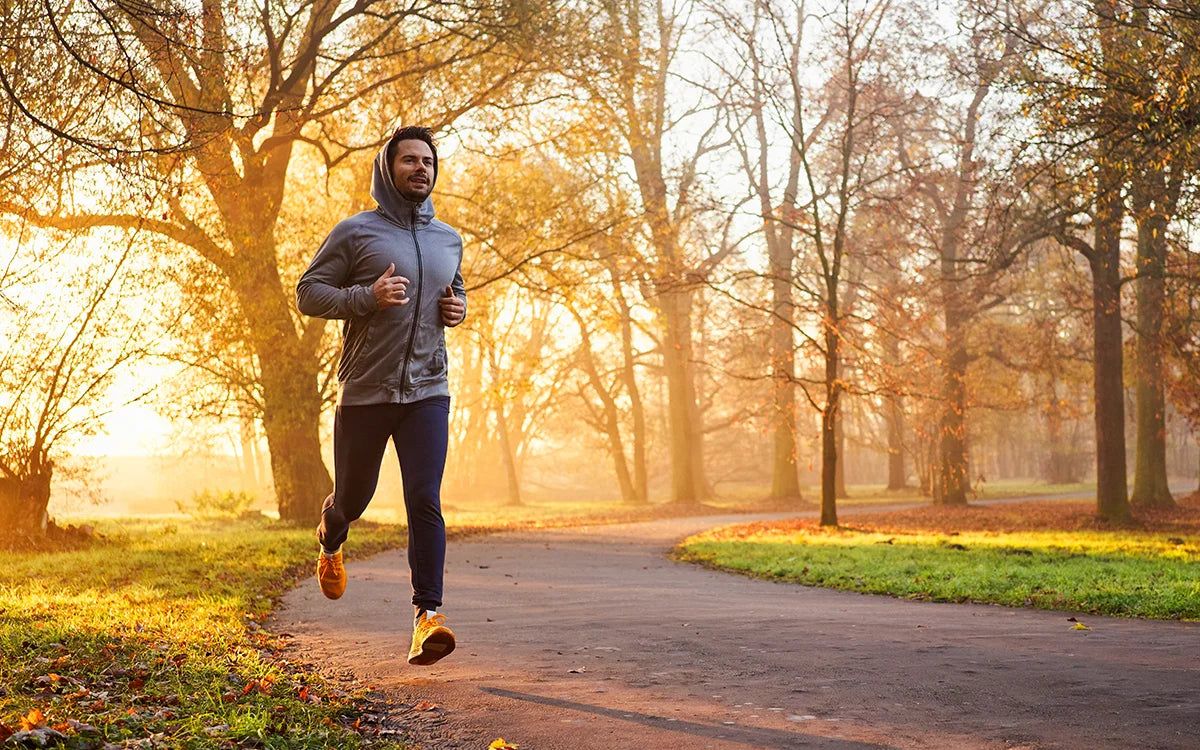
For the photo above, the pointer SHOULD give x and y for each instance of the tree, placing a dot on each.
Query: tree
(1160, 62)
(765, 95)
(958, 196)
(1122, 89)
(212, 103)
(625, 78)
(68, 337)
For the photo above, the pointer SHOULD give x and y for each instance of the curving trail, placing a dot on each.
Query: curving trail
(589, 637)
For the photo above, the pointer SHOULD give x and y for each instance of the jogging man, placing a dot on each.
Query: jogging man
(393, 275)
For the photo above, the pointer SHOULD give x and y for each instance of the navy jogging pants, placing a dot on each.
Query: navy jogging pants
(420, 432)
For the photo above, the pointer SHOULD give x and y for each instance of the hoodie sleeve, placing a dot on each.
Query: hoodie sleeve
(321, 291)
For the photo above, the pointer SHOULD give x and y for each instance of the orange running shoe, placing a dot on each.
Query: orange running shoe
(331, 574)
(431, 639)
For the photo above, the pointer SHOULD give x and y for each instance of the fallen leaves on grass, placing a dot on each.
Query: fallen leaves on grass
(1036, 515)
(32, 720)
(261, 685)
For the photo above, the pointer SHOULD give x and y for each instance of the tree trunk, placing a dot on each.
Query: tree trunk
(839, 434)
(829, 417)
(1059, 466)
(687, 479)
(785, 477)
(897, 478)
(616, 449)
(291, 418)
(246, 451)
(952, 474)
(612, 422)
(1150, 487)
(1112, 500)
(291, 394)
(510, 459)
(23, 503)
(637, 410)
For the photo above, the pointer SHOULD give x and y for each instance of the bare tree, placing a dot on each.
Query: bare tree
(625, 76)
(66, 339)
(766, 95)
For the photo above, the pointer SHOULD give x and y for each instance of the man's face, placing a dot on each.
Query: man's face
(412, 169)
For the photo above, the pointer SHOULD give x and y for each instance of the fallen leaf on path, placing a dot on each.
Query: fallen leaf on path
(577, 670)
(500, 744)
(1080, 626)
(425, 706)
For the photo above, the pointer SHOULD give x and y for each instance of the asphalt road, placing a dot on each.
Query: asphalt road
(590, 637)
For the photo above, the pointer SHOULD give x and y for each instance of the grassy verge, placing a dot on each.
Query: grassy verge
(1046, 555)
(150, 638)
(741, 495)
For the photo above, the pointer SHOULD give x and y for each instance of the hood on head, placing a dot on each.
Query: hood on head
(394, 205)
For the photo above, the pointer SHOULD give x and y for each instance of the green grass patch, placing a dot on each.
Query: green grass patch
(152, 635)
(1128, 574)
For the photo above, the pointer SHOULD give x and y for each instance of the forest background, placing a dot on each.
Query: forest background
(756, 249)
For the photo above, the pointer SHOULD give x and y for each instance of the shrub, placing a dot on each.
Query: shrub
(218, 504)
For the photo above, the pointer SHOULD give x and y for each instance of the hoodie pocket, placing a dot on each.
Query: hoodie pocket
(438, 365)
(356, 338)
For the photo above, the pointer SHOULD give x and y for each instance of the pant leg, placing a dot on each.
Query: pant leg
(421, 437)
(360, 435)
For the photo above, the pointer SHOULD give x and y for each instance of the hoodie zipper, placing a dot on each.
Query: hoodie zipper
(416, 320)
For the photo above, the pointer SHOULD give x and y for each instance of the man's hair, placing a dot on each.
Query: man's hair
(413, 133)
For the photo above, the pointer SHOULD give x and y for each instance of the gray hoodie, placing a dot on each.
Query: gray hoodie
(394, 355)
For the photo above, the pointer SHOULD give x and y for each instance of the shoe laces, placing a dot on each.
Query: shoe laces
(434, 620)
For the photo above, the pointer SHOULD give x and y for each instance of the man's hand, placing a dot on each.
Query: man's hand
(453, 309)
(389, 289)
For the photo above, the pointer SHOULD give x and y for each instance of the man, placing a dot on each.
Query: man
(394, 276)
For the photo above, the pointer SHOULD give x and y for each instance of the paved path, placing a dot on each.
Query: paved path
(573, 639)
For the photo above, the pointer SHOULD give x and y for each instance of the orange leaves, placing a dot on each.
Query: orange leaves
(32, 720)
(262, 685)
(32, 731)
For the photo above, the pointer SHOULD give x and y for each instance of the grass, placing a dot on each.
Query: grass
(153, 636)
(1045, 555)
(739, 495)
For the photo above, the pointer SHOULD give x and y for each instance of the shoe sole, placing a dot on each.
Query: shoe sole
(434, 648)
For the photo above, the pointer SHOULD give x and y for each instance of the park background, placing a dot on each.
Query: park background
(780, 254)
(752, 252)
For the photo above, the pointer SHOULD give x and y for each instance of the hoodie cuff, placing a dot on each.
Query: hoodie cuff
(362, 300)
